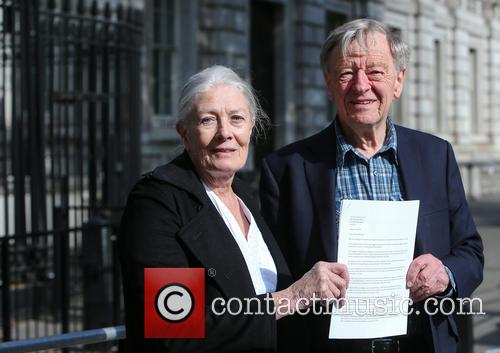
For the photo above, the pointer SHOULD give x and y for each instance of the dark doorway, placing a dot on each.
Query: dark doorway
(265, 20)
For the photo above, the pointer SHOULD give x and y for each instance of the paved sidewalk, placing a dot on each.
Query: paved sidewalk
(487, 327)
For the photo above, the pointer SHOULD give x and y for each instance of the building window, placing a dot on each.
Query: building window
(473, 90)
(162, 47)
(437, 87)
(396, 113)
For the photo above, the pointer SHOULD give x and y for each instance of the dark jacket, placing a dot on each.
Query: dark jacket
(298, 202)
(169, 221)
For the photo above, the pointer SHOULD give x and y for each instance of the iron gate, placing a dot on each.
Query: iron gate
(69, 152)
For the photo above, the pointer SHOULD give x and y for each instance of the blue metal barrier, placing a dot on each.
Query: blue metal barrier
(65, 340)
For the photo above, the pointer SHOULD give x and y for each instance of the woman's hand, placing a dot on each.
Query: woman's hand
(324, 281)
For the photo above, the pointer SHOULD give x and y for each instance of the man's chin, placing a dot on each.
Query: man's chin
(367, 119)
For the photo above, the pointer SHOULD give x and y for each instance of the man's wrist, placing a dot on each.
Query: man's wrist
(451, 289)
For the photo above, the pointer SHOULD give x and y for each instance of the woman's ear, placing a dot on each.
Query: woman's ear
(182, 131)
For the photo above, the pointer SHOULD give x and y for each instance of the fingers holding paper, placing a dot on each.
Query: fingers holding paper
(426, 277)
(325, 280)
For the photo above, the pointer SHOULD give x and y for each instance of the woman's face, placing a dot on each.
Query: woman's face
(217, 132)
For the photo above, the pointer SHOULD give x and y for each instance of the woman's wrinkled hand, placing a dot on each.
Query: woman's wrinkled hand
(325, 281)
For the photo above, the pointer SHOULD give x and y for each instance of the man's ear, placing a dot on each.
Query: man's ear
(398, 87)
(329, 84)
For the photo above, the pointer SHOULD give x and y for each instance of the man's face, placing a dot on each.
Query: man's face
(365, 82)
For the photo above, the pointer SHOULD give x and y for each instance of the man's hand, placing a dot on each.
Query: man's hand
(426, 277)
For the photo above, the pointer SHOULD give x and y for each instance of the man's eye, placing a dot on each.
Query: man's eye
(346, 75)
(376, 74)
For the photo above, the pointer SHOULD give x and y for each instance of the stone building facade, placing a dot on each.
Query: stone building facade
(452, 88)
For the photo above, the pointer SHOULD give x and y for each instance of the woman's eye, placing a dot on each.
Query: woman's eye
(237, 118)
(207, 120)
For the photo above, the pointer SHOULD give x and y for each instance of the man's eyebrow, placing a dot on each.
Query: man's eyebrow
(377, 64)
(343, 65)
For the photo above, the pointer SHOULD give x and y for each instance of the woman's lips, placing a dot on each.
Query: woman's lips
(223, 150)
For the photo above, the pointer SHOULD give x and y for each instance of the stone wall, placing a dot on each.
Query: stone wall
(311, 93)
(224, 36)
(444, 94)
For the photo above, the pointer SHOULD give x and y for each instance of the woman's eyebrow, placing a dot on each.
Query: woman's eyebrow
(238, 110)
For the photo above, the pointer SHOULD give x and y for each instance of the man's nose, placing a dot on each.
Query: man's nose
(361, 83)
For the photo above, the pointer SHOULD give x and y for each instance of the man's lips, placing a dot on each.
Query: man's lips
(362, 101)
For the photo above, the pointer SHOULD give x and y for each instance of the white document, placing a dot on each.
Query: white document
(376, 242)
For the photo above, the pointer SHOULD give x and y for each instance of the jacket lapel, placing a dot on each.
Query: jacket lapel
(410, 164)
(206, 235)
(320, 171)
(208, 238)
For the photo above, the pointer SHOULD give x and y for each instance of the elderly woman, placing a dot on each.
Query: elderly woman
(193, 212)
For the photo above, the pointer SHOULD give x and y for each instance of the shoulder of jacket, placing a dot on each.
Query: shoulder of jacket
(425, 137)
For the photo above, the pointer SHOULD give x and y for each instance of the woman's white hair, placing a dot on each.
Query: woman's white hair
(220, 75)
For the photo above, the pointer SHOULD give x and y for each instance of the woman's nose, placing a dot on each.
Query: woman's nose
(223, 129)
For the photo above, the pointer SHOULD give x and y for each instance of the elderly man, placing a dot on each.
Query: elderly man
(363, 155)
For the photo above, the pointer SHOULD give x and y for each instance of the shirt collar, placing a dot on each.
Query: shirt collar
(344, 147)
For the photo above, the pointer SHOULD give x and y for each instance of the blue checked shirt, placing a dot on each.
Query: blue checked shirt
(362, 178)
(375, 178)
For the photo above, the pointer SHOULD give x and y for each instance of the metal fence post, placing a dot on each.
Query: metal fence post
(97, 263)
(6, 327)
(61, 265)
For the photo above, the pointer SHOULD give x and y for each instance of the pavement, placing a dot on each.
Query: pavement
(487, 327)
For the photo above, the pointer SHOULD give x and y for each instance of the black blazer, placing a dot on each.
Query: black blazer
(169, 221)
(298, 202)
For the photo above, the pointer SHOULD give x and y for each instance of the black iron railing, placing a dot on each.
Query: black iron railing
(107, 334)
(69, 152)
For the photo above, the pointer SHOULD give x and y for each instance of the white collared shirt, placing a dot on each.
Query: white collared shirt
(259, 261)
